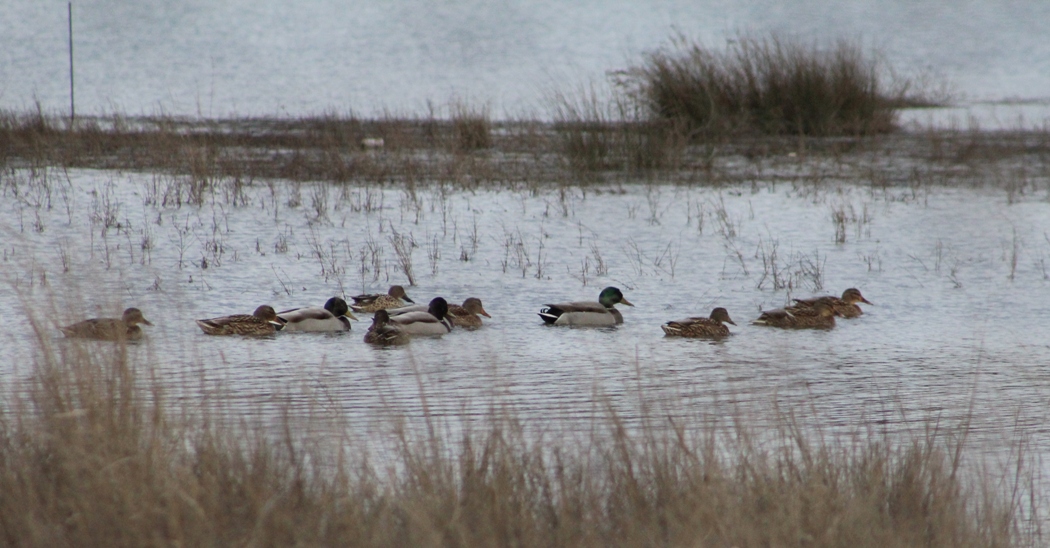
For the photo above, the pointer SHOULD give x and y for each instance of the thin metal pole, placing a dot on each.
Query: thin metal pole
(72, 104)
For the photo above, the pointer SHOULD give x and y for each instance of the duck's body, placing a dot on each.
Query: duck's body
(465, 315)
(334, 317)
(394, 298)
(820, 316)
(711, 328)
(263, 322)
(434, 321)
(845, 306)
(383, 332)
(125, 328)
(587, 313)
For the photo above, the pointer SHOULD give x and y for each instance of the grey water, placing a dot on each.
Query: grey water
(958, 275)
(269, 58)
(958, 278)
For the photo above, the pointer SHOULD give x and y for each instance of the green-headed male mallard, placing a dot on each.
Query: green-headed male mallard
(395, 297)
(820, 316)
(383, 332)
(335, 316)
(461, 316)
(434, 321)
(263, 322)
(587, 312)
(109, 329)
(712, 327)
(846, 306)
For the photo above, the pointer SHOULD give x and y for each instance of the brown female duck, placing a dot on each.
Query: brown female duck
(845, 306)
(820, 316)
(109, 329)
(261, 323)
(395, 297)
(383, 332)
(706, 328)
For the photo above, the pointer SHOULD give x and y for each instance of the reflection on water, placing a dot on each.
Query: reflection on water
(957, 277)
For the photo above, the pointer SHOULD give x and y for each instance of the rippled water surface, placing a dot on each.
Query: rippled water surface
(958, 278)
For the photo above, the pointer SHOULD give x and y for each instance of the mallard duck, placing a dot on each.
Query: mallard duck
(335, 316)
(587, 312)
(384, 332)
(846, 306)
(393, 298)
(711, 327)
(820, 316)
(461, 316)
(109, 329)
(262, 322)
(434, 321)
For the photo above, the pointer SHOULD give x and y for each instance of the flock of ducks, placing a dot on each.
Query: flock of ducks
(394, 322)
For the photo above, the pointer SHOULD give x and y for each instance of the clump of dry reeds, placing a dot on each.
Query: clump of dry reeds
(93, 454)
(598, 133)
(769, 85)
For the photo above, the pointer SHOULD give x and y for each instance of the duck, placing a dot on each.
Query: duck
(124, 328)
(434, 321)
(588, 313)
(845, 306)
(696, 327)
(820, 316)
(465, 315)
(261, 323)
(383, 332)
(334, 317)
(395, 297)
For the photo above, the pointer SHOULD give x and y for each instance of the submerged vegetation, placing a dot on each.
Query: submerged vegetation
(94, 453)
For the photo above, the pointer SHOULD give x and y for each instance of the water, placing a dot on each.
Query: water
(242, 58)
(956, 274)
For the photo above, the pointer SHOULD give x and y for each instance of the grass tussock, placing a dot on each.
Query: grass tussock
(770, 85)
(597, 134)
(92, 454)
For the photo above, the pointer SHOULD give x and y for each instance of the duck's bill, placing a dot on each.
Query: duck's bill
(147, 322)
(351, 316)
(626, 302)
(483, 313)
(866, 301)
(409, 300)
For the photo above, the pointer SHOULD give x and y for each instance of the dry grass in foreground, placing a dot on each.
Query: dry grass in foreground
(93, 455)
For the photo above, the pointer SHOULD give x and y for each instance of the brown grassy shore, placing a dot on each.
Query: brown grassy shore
(93, 453)
(581, 148)
(762, 107)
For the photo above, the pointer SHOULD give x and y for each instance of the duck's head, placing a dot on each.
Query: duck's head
(337, 306)
(612, 295)
(722, 315)
(381, 318)
(266, 312)
(398, 292)
(853, 296)
(133, 316)
(438, 308)
(473, 305)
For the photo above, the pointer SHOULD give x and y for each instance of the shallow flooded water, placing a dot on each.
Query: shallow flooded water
(958, 278)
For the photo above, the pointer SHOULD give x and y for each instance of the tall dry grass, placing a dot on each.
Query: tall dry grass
(92, 453)
(769, 85)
